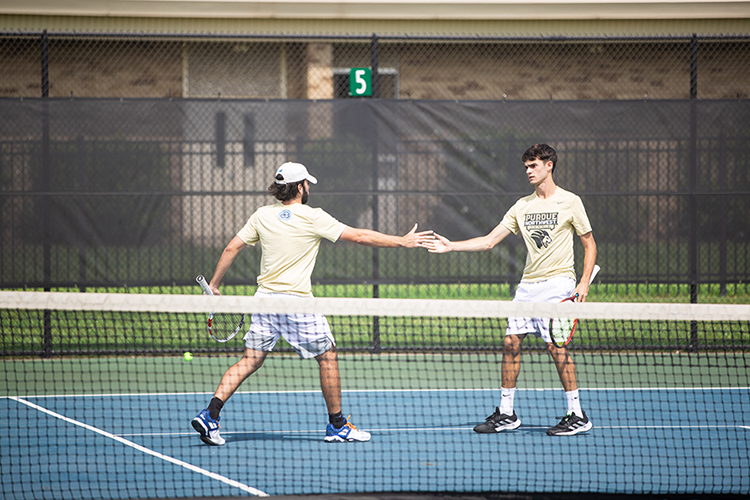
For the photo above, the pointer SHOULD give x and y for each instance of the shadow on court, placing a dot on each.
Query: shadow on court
(269, 436)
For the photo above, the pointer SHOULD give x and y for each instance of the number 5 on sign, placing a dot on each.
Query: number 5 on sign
(360, 82)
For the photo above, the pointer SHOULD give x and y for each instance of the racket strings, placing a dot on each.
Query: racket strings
(224, 326)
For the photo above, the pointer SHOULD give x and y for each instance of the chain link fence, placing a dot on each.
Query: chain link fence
(304, 67)
(131, 160)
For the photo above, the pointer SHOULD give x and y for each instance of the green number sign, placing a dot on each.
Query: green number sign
(360, 82)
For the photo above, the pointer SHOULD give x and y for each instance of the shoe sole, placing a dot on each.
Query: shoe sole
(198, 426)
(573, 432)
(507, 427)
(338, 439)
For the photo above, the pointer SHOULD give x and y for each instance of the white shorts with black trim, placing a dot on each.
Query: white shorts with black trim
(551, 290)
(309, 334)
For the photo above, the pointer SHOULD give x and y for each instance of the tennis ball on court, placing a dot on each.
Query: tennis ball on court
(188, 356)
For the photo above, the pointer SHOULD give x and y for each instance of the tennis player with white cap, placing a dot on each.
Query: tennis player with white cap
(289, 233)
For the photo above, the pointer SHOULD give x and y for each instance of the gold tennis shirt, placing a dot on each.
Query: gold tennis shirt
(547, 227)
(289, 237)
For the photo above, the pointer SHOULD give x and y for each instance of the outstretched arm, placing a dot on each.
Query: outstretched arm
(589, 259)
(442, 245)
(370, 238)
(227, 257)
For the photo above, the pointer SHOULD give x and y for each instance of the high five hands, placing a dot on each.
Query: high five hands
(437, 244)
(414, 239)
(430, 240)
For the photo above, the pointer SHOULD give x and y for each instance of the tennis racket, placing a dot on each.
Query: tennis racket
(561, 330)
(222, 326)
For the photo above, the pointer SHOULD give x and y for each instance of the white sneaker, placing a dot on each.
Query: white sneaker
(346, 433)
(208, 428)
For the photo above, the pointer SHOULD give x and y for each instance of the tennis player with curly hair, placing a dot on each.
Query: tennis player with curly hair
(289, 233)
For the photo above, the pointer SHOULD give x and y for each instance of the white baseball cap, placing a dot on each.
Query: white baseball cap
(293, 172)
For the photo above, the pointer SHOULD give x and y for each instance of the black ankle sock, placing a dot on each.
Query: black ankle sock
(214, 408)
(336, 419)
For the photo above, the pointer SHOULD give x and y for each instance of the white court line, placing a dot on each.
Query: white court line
(193, 468)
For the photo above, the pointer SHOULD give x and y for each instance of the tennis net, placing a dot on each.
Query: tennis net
(99, 397)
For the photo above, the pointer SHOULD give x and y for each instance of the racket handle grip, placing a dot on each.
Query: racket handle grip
(202, 282)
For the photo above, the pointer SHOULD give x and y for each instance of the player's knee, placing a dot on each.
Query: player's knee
(556, 351)
(327, 357)
(559, 355)
(253, 359)
(511, 344)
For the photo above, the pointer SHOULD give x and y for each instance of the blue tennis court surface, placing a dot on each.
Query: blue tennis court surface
(655, 441)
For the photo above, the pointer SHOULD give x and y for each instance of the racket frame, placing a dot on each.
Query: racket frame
(569, 337)
(207, 290)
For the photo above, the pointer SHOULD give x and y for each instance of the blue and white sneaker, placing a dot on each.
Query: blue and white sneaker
(346, 433)
(208, 428)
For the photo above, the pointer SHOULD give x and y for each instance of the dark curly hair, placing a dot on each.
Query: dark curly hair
(541, 152)
(285, 192)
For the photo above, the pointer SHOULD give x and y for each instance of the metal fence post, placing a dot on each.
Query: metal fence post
(221, 138)
(248, 142)
(513, 159)
(723, 186)
(376, 346)
(693, 176)
(374, 66)
(46, 201)
(81, 187)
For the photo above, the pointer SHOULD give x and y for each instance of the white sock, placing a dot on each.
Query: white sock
(506, 401)
(574, 404)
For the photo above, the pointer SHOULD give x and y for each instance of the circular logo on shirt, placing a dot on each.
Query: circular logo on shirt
(285, 215)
